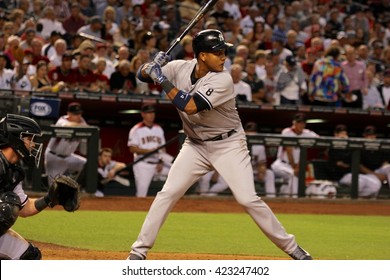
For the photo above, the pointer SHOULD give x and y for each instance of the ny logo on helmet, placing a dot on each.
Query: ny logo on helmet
(221, 37)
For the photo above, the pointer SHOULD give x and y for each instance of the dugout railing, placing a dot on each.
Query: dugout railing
(91, 134)
(356, 145)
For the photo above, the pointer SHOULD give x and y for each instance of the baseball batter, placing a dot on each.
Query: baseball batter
(60, 156)
(145, 137)
(286, 165)
(202, 91)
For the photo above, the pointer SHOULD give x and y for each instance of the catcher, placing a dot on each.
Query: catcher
(17, 143)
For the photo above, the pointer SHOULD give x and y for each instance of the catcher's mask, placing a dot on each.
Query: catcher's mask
(18, 132)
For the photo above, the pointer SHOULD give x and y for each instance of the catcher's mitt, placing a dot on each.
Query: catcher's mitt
(64, 191)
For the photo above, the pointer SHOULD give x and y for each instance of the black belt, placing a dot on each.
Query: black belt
(61, 156)
(222, 136)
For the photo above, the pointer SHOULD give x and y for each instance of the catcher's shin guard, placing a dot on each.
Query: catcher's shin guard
(32, 253)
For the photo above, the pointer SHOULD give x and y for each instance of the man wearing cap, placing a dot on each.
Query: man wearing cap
(60, 157)
(20, 80)
(6, 75)
(64, 72)
(290, 82)
(202, 91)
(286, 165)
(145, 137)
(374, 169)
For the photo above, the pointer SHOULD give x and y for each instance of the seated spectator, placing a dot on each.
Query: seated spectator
(50, 23)
(85, 78)
(125, 34)
(94, 28)
(242, 90)
(40, 81)
(110, 25)
(257, 85)
(135, 64)
(6, 75)
(64, 73)
(36, 51)
(60, 47)
(48, 49)
(122, 81)
(101, 53)
(102, 81)
(74, 21)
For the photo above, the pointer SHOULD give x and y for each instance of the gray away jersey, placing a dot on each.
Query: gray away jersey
(216, 88)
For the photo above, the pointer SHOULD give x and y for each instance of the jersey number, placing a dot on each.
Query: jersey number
(209, 91)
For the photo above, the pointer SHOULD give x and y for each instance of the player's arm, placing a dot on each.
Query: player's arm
(151, 72)
(138, 150)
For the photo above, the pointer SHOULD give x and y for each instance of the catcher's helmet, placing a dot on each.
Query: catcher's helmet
(209, 40)
(15, 131)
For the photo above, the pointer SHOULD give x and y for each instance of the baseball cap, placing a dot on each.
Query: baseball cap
(341, 35)
(290, 59)
(369, 130)
(75, 108)
(300, 117)
(67, 56)
(148, 108)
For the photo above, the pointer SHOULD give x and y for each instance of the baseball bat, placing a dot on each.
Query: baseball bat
(199, 15)
(144, 156)
(93, 38)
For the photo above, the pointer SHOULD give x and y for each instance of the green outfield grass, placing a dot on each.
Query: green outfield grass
(325, 236)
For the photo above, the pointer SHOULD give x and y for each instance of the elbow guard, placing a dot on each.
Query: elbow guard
(181, 100)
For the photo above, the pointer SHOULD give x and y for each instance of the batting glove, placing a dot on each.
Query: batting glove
(154, 72)
(162, 58)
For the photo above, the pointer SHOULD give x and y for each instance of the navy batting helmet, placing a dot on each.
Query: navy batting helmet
(209, 40)
(14, 130)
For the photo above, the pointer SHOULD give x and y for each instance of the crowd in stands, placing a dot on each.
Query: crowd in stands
(317, 52)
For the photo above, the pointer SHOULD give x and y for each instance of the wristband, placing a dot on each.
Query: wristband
(41, 203)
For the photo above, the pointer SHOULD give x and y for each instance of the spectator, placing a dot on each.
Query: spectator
(233, 8)
(124, 11)
(122, 81)
(102, 81)
(256, 84)
(94, 28)
(85, 78)
(64, 73)
(249, 20)
(242, 90)
(60, 47)
(356, 73)
(125, 34)
(21, 81)
(40, 81)
(110, 25)
(29, 36)
(272, 97)
(60, 8)
(60, 156)
(220, 15)
(48, 48)
(74, 21)
(135, 63)
(50, 23)
(13, 52)
(188, 9)
(260, 60)
(6, 75)
(286, 165)
(290, 82)
(328, 80)
(145, 137)
(36, 49)
(101, 52)
(373, 170)
(372, 100)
